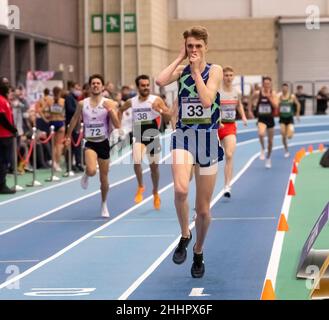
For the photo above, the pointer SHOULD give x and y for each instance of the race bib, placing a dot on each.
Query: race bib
(143, 115)
(56, 109)
(265, 109)
(194, 113)
(228, 112)
(95, 131)
(285, 109)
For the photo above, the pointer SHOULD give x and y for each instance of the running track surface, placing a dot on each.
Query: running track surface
(54, 245)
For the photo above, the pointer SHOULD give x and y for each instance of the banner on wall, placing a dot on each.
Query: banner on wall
(38, 81)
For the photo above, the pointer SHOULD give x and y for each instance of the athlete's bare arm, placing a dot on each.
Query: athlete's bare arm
(173, 71)
(295, 100)
(174, 117)
(241, 111)
(124, 108)
(112, 108)
(74, 122)
(160, 106)
(253, 97)
(273, 98)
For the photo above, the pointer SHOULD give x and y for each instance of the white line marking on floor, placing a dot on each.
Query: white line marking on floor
(19, 261)
(154, 266)
(138, 236)
(274, 262)
(77, 242)
(74, 202)
(198, 292)
(117, 161)
(244, 219)
(60, 184)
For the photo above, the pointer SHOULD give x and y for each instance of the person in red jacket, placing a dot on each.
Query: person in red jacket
(7, 132)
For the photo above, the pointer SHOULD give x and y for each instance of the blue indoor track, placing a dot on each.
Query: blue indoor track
(55, 245)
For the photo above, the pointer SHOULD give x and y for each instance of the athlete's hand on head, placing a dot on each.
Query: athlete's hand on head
(183, 53)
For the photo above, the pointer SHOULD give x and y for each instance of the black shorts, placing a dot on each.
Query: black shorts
(101, 148)
(287, 121)
(152, 144)
(268, 121)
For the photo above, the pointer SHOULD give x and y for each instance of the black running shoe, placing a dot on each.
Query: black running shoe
(180, 252)
(6, 190)
(198, 268)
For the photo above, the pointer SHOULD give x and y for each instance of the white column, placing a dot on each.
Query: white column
(122, 42)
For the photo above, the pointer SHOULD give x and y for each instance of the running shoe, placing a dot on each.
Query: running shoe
(105, 211)
(268, 164)
(156, 201)
(84, 181)
(227, 192)
(287, 154)
(198, 268)
(139, 195)
(180, 253)
(57, 168)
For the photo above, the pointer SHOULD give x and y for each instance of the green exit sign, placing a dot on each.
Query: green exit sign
(113, 23)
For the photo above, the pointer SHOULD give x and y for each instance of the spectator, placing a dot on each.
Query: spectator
(71, 103)
(111, 90)
(7, 132)
(322, 100)
(301, 97)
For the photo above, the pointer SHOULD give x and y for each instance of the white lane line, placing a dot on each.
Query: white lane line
(77, 242)
(274, 262)
(307, 125)
(154, 266)
(244, 219)
(69, 221)
(60, 184)
(138, 236)
(18, 261)
(73, 202)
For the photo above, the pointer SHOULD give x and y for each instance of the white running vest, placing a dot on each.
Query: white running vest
(229, 102)
(96, 121)
(143, 113)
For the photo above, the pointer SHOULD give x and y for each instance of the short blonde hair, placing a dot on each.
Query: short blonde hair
(197, 32)
(228, 69)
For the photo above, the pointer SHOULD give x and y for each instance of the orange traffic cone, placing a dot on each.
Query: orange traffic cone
(310, 149)
(283, 224)
(294, 168)
(268, 291)
(321, 147)
(298, 157)
(291, 190)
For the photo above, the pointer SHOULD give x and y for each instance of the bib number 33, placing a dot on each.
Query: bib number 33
(194, 113)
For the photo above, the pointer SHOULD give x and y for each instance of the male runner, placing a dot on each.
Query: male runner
(230, 100)
(99, 115)
(195, 140)
(146, 108)
(286, 103)
(267, 103)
